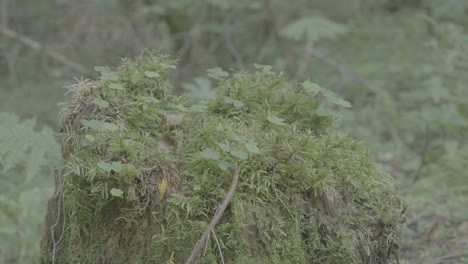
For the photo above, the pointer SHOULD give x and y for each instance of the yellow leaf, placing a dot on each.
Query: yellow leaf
(171, 260)
(162, 188)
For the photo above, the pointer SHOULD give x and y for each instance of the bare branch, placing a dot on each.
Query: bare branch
(219, 246)
(39, 47)
(217, 216)
(340, 68)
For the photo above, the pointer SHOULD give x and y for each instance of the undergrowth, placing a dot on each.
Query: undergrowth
(25, 153)
(145, 171)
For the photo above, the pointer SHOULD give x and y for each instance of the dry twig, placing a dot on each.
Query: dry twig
(216, 217)
(39, 47)
(219, 246)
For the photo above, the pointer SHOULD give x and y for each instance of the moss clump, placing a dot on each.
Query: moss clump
(145, 171)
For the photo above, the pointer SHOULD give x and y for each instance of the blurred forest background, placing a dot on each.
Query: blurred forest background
(403, 64)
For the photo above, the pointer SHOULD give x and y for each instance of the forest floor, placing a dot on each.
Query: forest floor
(437, 222)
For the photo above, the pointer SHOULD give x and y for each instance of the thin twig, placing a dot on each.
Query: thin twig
(217, 216)
(443, 259)
(219, 246)
(206, 245)
(230, 45)
(340, 68)
(52, 228)
(39, 47)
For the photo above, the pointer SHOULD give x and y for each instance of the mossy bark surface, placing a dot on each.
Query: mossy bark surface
(145, 171)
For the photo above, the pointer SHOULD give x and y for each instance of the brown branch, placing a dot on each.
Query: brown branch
(216, 217)
(219, 246)
(39, 47)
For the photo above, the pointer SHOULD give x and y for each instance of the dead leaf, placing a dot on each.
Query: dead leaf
(165, 142)
(173, 120)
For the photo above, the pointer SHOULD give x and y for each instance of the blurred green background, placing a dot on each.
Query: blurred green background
(403, 64)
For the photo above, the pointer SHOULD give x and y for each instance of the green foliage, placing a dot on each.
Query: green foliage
(155, 177)
(402, 65)
(217, 73)
(22, 146)
(313, 28)
(25, 153)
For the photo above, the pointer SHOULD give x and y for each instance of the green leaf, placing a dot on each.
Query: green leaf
(101, 102)
(333, 98)
(99, 125)
(266, 69)
(116, 86)
(109, 76)
(276, 120)
(210, 154)
(117, 166)
(107, 167)
(180, 107)
(90, 138)
(136, 77)
(313, 28)
(106, 73)
(116, 192)
(198, 108)
(153, 99)
(109, 126)
(311, 87)
(23, 146)
(217, 73)
(167, 66)
(199, 89)
(236, 103)
(329, 95)
(223, 146)
(323, 111)
(240, 154)
(152, 74)
(252, 147)
(224, 165)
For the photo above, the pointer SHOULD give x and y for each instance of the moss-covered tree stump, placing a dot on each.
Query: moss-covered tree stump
(145, 171)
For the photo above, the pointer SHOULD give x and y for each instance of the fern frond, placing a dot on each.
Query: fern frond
(21, 145)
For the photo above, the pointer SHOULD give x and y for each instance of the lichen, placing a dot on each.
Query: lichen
(145, 170)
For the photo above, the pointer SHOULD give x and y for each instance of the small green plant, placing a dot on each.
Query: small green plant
(147, 169)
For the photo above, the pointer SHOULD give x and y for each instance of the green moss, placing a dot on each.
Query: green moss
(303, 196)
